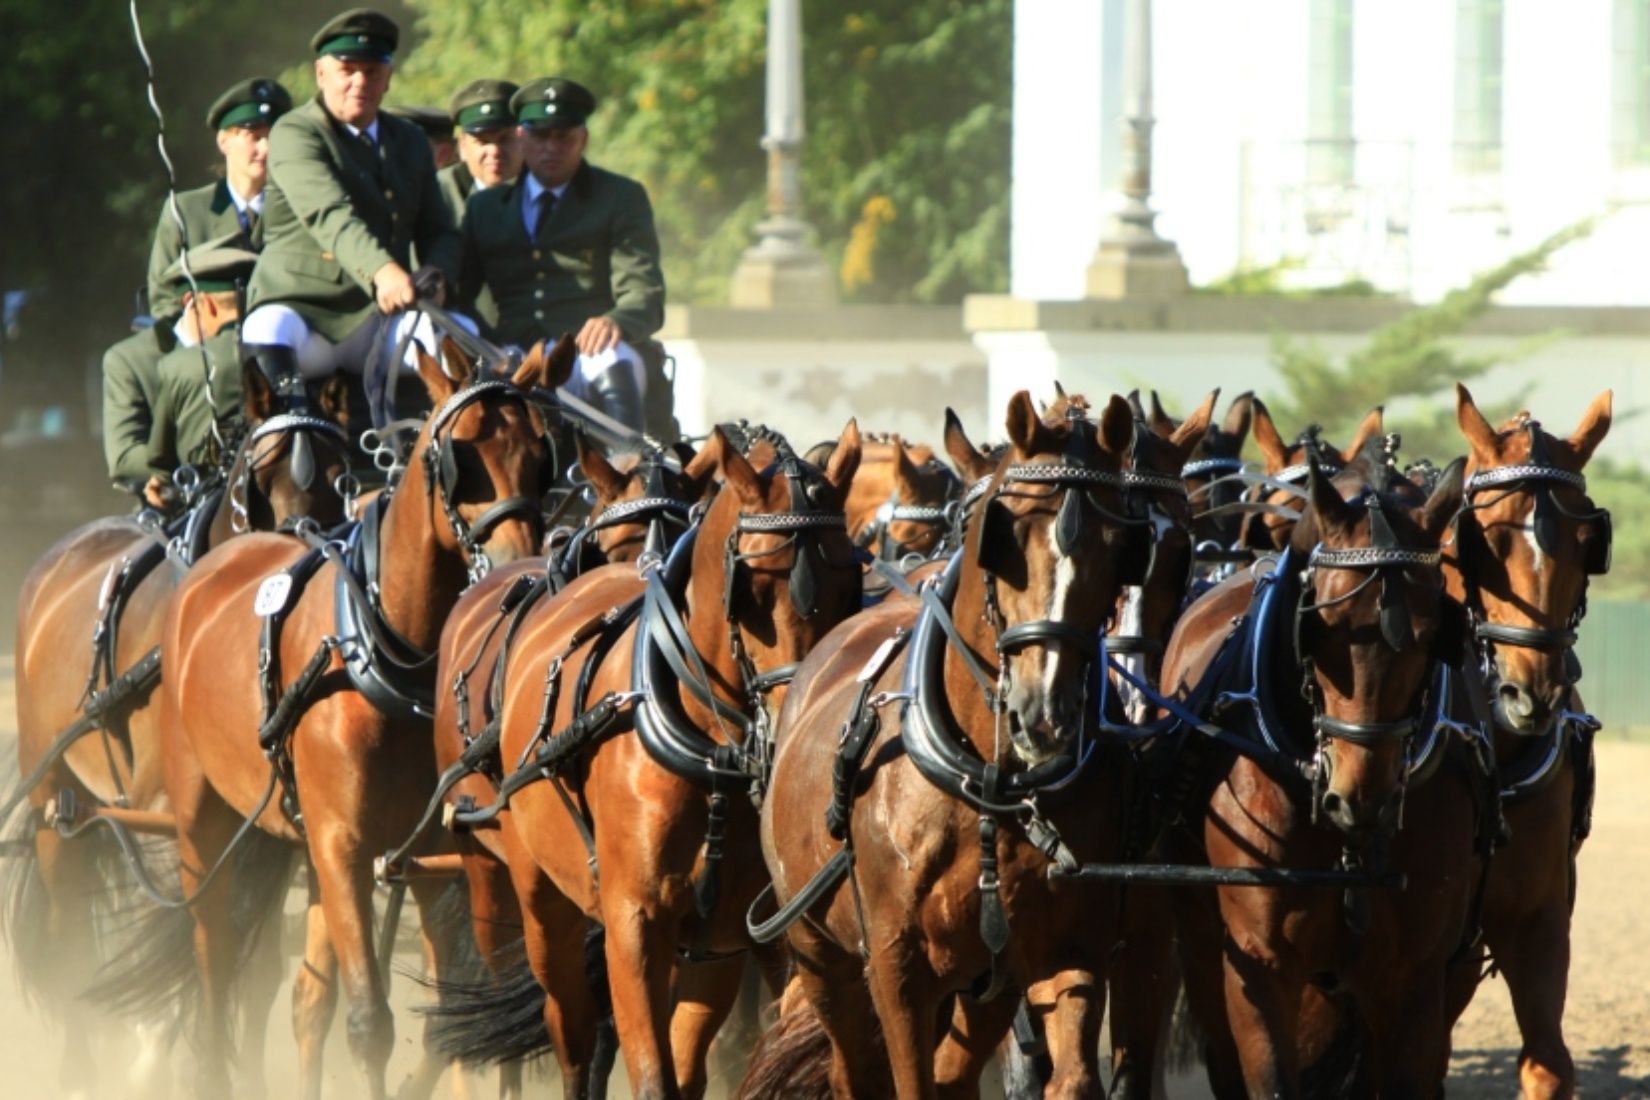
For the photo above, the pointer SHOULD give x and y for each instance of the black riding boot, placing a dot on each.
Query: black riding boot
(619, 396)
(279, 364)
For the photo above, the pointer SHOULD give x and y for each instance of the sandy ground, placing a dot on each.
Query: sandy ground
(1608, 1020)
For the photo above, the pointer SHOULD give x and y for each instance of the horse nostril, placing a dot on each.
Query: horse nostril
(1514, 699)
(1331, 803)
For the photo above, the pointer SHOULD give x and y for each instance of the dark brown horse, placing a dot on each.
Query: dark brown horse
(642, 749)
(1331, 689)
(1528, 541)
(327, 707)
(923, 776)
(89, 618)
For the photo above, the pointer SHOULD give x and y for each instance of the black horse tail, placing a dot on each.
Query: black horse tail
(26, 923)
(491, 1021)
(792, 1060)
(1184, 1050)
(153, 973)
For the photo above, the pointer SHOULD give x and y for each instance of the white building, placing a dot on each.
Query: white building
(1408, 142)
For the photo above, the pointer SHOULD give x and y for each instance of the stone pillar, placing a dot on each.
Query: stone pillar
(1132, 260)
(783, 268)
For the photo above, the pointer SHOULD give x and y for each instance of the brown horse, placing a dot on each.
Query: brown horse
(651, 835)
(343, 741)
(1279, 495)
(1301, 989)
(1212, 474)
(928, 832)
(1528, 540)
(109, 583)
(898, 504)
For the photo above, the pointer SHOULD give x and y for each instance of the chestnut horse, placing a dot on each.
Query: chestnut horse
(1528, 540)
(108, 583)
(344, 741)
(898, 506)
(1347, 761)
(1276, 499)
(652, 835)
(914, 851)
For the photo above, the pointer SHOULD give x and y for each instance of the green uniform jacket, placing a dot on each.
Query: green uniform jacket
(336, 211)
(599, 256)
(131, 377)
(457, 185)
(208, 213)
(182, 430)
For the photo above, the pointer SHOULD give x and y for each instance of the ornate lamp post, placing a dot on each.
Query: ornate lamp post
(1132, 260)
(782, 268)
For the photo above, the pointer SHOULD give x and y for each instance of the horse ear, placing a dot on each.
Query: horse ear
(455, 363)
(435, 379)
(1273, 449)
(334, 400)
(1238, 417)
(1185, 438)
(1162, 423)
(1372, 425)
(699, 467)
(1480, 435)
(1117, 427)
(845, 459)
(906, 474)
(608, 482)
(737, 471)
(1137, 407)
(1594, 426)
(1444, 504)
(1333, 512)
(966, 458)
(1026, 430)
(260, 402)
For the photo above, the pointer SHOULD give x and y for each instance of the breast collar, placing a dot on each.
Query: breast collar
(393, 674)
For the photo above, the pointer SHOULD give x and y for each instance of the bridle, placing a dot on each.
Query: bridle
(441, 476)
(656, 507)
(301, 462)
(939, 518)
(1536, 476)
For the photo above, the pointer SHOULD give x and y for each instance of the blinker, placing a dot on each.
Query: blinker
(1068, 524)
(303, 461)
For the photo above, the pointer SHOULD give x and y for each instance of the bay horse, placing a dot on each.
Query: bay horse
(88, 735)
(1212, 474)
(1528, 541)
(1277, 497)
(1302, 989)
(344, 741)
(637, 705)
(910, 849)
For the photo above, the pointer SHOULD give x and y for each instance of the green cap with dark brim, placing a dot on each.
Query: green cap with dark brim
(553, 102)
(256, 102)
(484, 105)
(216, 265)
(359, 34)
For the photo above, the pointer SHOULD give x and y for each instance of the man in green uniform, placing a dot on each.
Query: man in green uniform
(352, 192)
(198, 381)
(242, 117)
(489, 154)
(569, 248)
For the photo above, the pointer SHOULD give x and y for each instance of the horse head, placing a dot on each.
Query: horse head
(1528, 539)
(642, 501)
(1047, 547)
(291, 465)
(774, 544)
(483, 457)
(1367, 628)
(1286, 465)
(1209, 470)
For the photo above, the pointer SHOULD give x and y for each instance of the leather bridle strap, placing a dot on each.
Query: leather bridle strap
(1364, 733)
(1526, 637)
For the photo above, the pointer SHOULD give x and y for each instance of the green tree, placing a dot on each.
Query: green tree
(905, 172)
(1409, 361)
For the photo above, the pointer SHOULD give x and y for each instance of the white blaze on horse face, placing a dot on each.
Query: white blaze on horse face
(1535, 546)
(1131, 624)
(1059, 607)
